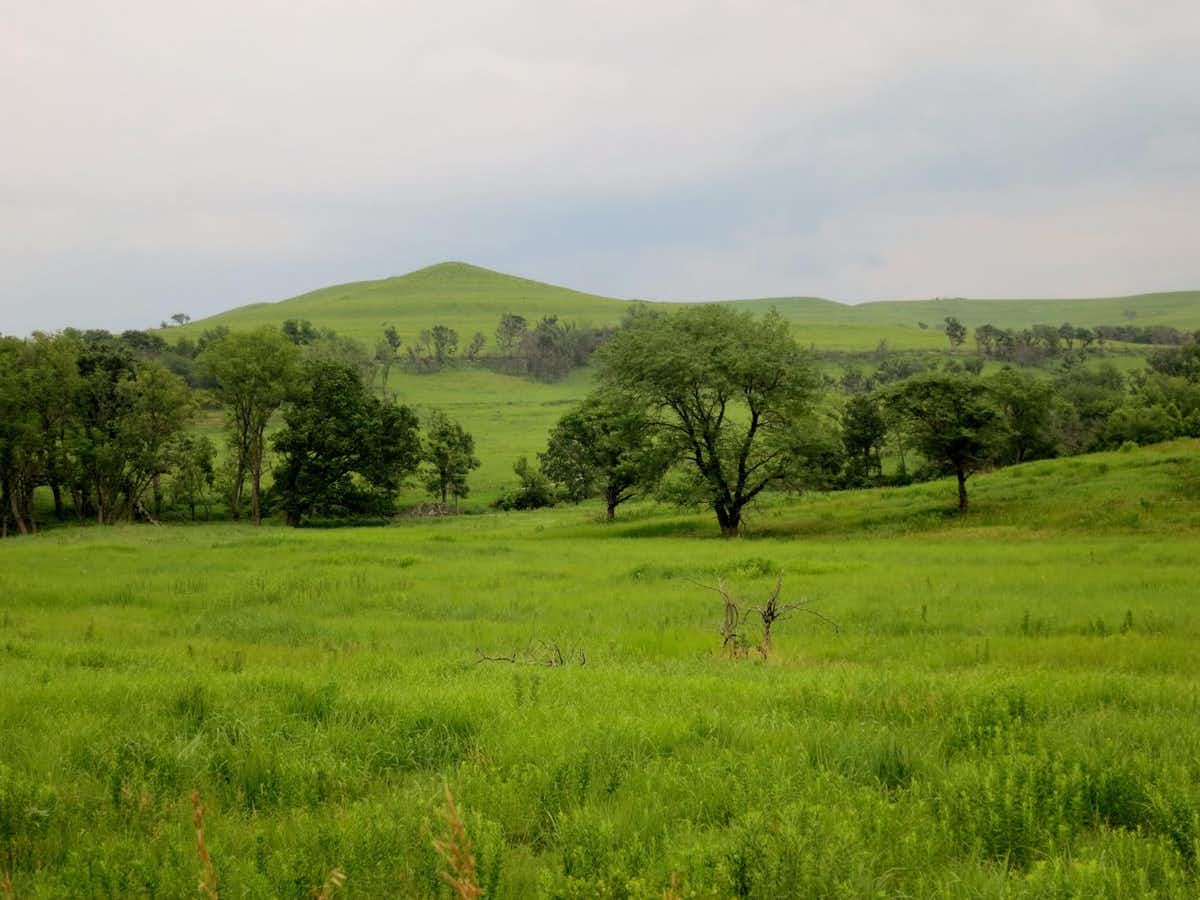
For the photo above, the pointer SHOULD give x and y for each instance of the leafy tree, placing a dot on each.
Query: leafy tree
(387, 351)
(533, 490)
(864, 430)
(300, 332)
(253, 372)
(476, 346)
(444, 340)
(193, 472)
(181, 318)
(956, 331)
(953, 421)
(724, 390)
(509, 332)
(1026, 405)
(1181, 362)
(604, 446)
(342, 450)
(448, 453)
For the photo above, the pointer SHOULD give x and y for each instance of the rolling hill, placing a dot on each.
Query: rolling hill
(469, 299)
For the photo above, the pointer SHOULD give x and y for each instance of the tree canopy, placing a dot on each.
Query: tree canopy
(727, 392)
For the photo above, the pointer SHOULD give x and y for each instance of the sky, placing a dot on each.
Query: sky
(190, 157)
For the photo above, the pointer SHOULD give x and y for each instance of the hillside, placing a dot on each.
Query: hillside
(470, 299)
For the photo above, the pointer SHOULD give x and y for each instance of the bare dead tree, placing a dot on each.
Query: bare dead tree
(733, 639)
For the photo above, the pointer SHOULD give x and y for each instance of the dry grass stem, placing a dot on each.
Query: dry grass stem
(208, 877)
(455, 851)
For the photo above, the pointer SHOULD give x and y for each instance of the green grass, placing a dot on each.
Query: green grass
(1009, 710)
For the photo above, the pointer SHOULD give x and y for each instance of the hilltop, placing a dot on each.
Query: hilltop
(471, 298)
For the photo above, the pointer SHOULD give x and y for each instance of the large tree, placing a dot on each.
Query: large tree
(726, 389)
(448, 455)
(605, 446)
(253, 371)
(953, 420)
(342, 450)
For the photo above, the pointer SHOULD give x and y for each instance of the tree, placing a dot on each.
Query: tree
(387, 350)
(300, 332)
(476, 346)
(1026, 405)
(533, 490)
(956, 331)
(193, 474)
(342, 451)
(181, 318)
(509, 333)
(604, 446)
(953, 421)
(724, 390)
(253, 371)
(864, 430)
(448, 453)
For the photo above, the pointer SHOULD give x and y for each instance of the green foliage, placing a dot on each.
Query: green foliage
(534, 490)
(448, 455)
(604, 447)
(342, 451)
(724, 390)
(953, 421)
(253, 372)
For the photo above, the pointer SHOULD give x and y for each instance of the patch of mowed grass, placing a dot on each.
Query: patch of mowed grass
(1009, 709)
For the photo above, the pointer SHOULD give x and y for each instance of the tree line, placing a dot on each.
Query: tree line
(702, 405)
(112, 433)
(709, 406)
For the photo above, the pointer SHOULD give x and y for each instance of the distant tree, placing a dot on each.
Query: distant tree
(253, 372)
(953, 421)
(448, 456)
(509, 333)
(1026, 405)
(1180, 362)
(956, 331)
(181, 318)
(387, 351)
(342, 451)
(444, 340)
(299, 331)
(1067, 333)
(864, 430)
(192, 472)
(725, 390)
(533, 490)
(476, 346)
(605, 446)
(143, 342)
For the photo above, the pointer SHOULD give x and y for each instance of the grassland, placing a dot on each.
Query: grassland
(1009, 710)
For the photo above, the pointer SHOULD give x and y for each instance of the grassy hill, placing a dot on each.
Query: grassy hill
(1008, 709)
(470, 299)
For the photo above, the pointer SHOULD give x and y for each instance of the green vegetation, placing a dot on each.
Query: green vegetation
(1008, 710)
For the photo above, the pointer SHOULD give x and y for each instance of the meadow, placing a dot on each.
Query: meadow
(1008, 709)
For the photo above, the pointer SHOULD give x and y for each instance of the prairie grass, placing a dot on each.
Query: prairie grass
(1009, 709)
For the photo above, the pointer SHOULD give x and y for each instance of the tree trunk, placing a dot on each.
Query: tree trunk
(293, 518)
(157, 486)
(730, 519)
(56, 491)
(962, 489)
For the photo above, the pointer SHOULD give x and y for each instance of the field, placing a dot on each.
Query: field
(1009, 709)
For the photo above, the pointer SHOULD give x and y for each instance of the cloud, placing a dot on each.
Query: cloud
(160, 157)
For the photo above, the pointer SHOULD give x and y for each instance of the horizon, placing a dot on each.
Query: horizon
(159, 161)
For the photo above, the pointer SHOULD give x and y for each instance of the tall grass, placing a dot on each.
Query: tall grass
(969, 732)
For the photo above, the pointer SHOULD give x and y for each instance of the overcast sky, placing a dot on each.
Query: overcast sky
(158, 157)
